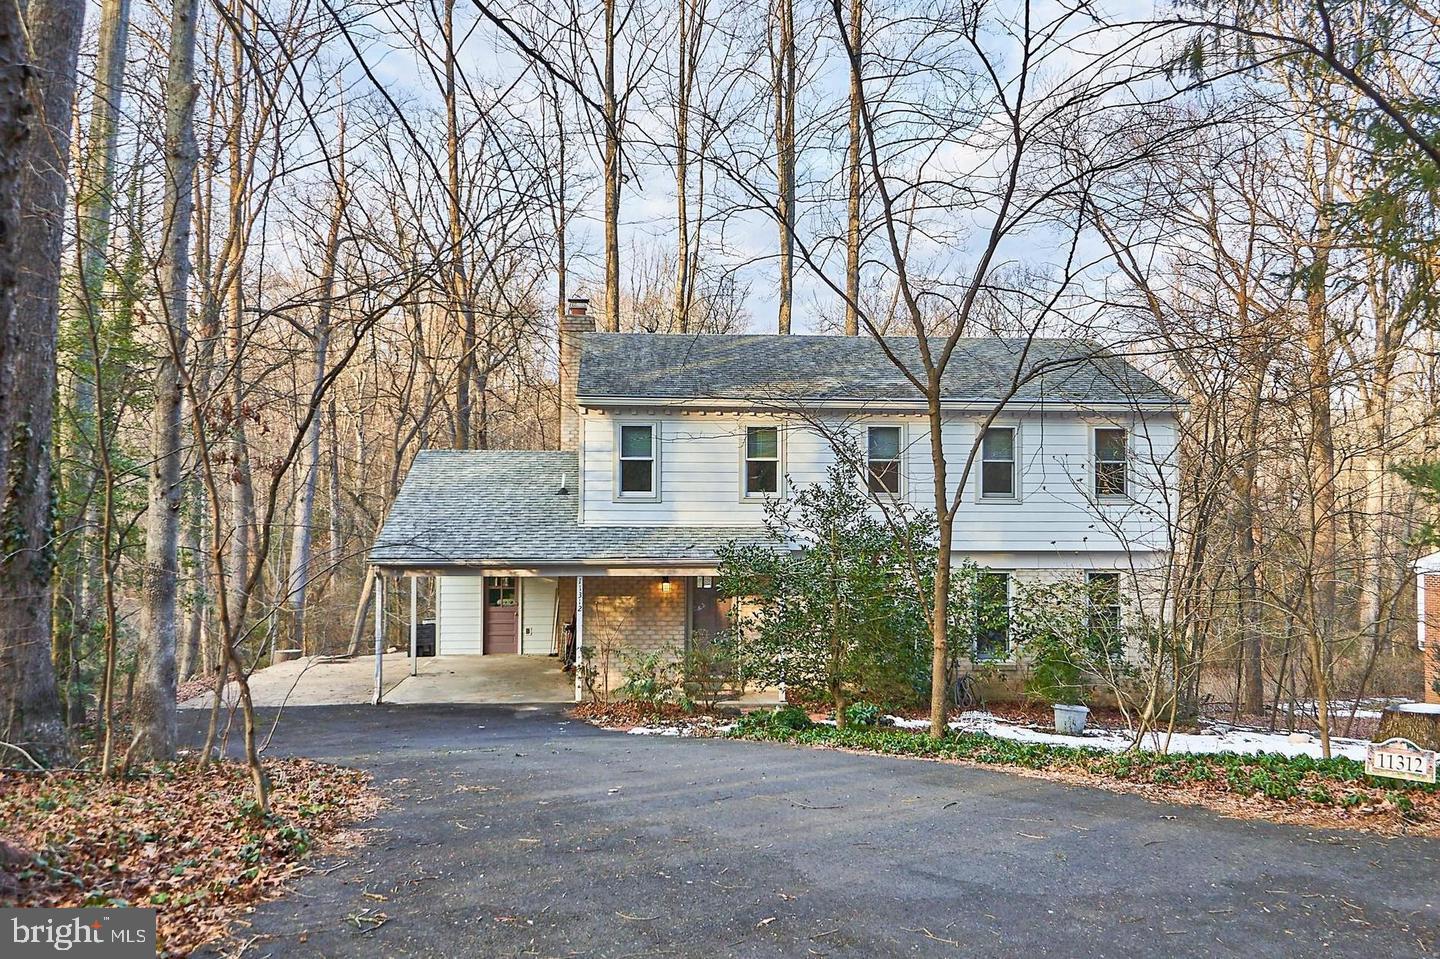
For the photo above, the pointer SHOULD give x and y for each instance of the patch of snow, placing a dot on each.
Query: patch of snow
(688, 729)
(1220, 738)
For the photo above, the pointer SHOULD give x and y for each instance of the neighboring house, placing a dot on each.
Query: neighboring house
(1427, 615)
(671, 444)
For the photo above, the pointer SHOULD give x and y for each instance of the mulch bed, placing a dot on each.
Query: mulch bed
(184, 839)
(628, 715)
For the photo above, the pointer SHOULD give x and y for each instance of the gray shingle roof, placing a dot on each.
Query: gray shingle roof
(771, 368)
(503, 506)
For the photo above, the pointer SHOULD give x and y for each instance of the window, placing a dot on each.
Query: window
(500, 590)
(762, 460)
(637, 460)
(1105, 609)
(1110, 449)
(992, 616)
(997, 463)
(883, 459)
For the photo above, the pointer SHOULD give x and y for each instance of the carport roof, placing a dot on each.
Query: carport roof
(510, 508)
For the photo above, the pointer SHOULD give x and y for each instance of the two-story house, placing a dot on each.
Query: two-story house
(671, 444)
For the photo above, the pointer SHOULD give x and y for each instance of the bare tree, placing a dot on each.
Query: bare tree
(29, 703)
(159, 616)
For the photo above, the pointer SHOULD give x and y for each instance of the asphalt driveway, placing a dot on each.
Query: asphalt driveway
(515, 832)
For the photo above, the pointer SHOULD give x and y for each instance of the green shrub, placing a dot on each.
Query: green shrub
(862, 713)
(1274, 776)
(786, 719)
(652, 677)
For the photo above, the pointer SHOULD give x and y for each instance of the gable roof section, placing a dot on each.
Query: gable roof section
(499, 507)
(852, 369)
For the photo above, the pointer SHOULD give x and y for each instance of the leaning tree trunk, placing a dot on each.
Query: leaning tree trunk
(155, 706)
(40, 126)
(302, 545)
(93, 206)
(1417, 722)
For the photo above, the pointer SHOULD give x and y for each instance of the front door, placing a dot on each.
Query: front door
(501, 634)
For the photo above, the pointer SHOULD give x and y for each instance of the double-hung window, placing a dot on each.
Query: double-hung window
(636, 467)
(1105, 610)
(1111, 446)
(882, 459)
(762, 460)
(992, 615)
(998, 479)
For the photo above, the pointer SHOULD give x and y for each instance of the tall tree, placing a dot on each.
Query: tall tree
(29, 703)
(159, 615)
(94, 202)
(303, 537)
(854, 175)
(784, 78)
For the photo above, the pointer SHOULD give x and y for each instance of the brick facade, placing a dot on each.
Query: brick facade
(629, 615)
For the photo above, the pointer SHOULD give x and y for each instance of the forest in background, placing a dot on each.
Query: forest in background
(292, 243)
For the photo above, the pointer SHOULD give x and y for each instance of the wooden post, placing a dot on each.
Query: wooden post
(579, 637)
(379, 604)
(414, 624)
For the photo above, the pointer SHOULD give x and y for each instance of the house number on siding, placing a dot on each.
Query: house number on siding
(1400, 759)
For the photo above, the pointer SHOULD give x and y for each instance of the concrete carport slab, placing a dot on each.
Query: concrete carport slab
(323, 681)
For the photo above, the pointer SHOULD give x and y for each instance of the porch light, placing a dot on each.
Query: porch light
(664, 584)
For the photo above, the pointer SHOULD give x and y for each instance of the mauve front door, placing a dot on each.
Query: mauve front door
(501, 613)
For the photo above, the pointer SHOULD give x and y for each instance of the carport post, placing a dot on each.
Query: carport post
(414, 605)
(579, 636)
(379, 604)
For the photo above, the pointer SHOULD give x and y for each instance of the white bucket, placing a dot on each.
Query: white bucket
(1070, 720)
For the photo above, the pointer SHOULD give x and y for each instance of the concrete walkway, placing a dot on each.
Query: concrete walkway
(317, 681)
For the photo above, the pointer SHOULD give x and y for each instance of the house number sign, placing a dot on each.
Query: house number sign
(1400, 759)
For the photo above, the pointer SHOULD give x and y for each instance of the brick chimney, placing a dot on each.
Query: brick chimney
(577, 320)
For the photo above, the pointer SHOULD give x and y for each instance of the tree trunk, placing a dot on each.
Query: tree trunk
(93, 206)
(155, 708)
(611, 177)
(1419, 723)
(29, 702)
(852, 163)
(362, 612)
(303, 539)
(783, 64)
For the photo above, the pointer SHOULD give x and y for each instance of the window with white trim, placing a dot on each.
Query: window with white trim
(998, 479)
(1105, 613)
(992, 615)
(1111, 447)
(882, 459)
(762, 460)
(637, 460)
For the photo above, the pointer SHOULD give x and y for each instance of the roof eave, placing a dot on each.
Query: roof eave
(600, 401)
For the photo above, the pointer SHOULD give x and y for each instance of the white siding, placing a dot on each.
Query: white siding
(537, 608)
(458, 622)
(700, 476)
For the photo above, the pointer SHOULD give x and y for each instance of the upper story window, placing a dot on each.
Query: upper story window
(882, 459)
(1105, 611)
(637, 475)
(762, 460)
(1110, 462)
(992, 616)
(997, 466)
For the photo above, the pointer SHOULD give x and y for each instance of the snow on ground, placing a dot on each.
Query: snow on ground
(1221, 739)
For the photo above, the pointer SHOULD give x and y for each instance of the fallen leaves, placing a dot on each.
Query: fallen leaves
(180, 838)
